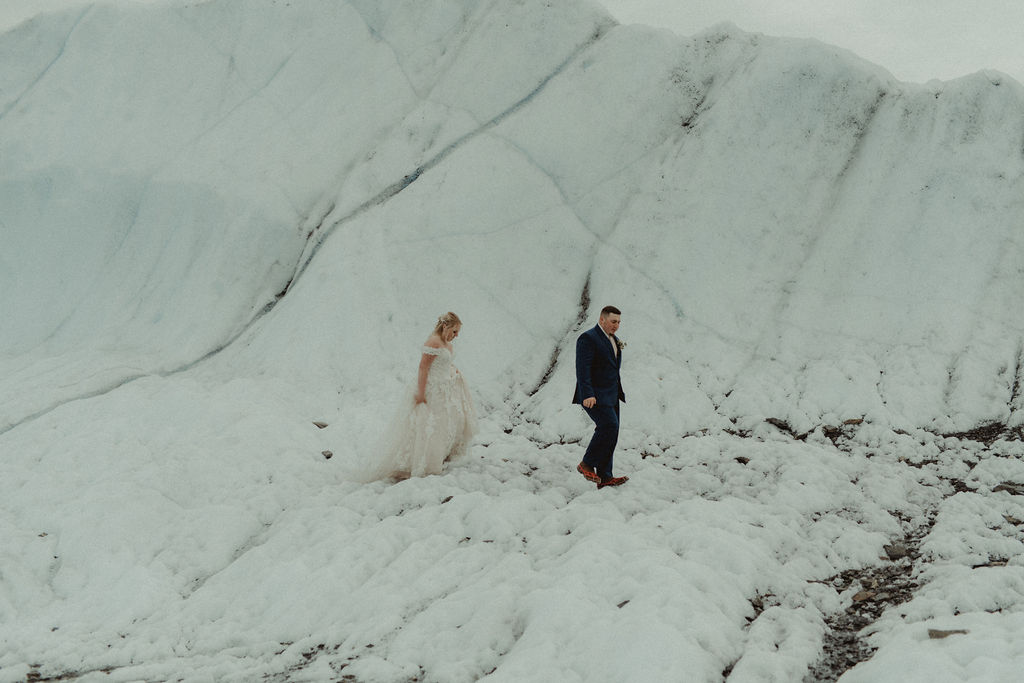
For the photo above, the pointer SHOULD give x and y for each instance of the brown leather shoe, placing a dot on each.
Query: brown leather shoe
(612, 481)
(589, 473)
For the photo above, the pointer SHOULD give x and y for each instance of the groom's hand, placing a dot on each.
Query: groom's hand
(589, 402)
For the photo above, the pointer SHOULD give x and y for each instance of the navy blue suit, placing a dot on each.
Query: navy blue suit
(597, 376)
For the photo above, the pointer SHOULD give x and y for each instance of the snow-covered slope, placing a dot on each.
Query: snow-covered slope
(221, 222)
(765, 209)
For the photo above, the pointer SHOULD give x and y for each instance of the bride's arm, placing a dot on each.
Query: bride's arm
(421, 385)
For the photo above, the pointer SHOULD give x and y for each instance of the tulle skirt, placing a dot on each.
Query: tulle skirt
(422, 437)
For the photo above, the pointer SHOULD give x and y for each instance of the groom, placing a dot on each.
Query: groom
(599, 390)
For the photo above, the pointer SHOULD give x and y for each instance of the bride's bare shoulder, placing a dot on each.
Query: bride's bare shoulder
(434, 342)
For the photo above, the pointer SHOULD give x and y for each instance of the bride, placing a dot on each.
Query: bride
(436, 421)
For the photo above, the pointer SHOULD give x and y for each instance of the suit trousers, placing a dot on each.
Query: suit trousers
(606, 435)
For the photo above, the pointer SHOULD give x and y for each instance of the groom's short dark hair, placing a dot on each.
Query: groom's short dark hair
(610, 310)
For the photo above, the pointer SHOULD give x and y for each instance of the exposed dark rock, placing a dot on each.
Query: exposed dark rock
(1010, 487)
(895, 551)
(881, 587)
(989, 433)
(784, 426)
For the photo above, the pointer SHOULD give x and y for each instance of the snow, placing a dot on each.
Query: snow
(222, 223)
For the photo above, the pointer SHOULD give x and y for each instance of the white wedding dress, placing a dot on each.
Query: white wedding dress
(422, 437)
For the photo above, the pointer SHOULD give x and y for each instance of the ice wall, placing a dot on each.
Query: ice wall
(790, 231)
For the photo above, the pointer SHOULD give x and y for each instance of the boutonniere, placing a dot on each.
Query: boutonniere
(621, 344)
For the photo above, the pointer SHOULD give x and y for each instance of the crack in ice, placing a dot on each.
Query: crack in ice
(46, 70)
(413, 175)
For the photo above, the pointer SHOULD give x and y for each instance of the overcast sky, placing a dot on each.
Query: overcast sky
(916, 40)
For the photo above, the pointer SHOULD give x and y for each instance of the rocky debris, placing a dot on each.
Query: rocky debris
(959, 485)
(989, 433)
(784, 426)
(320, 424)
(34, 676)
(986, 434)
(843, 431)
(996, 562)
(1011, 487)
(831, 432)
(879, 588)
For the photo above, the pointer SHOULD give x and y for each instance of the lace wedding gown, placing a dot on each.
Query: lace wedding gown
(422, 437)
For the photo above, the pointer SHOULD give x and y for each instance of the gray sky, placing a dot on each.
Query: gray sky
(915, 40)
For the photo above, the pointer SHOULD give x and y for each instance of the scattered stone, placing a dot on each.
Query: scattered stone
(864, 596)
(742, 460)
(896, 551)
(320, 425)
(623, 604)
(327, 455)
(1013, 520)
(937, 634)
(854, 421)
(832, 433)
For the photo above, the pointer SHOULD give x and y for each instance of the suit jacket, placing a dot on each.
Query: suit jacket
(597, 369)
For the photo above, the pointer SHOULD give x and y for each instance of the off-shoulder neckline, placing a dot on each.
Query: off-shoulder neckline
(435, 349)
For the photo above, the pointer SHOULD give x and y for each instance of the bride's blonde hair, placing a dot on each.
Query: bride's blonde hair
(446, 321)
